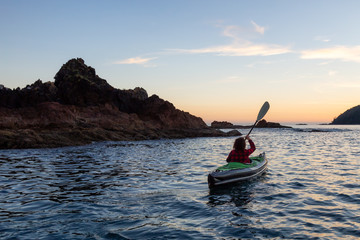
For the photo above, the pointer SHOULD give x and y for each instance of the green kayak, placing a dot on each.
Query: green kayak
(235, 171)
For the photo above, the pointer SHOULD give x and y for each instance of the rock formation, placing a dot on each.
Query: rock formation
(264, 124)
(222, 124)
(261, 124)
(80, 107)
(350, 116)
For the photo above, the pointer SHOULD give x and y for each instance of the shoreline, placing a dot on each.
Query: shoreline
(53, 138)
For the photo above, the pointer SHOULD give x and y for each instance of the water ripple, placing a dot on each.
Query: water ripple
(158, 190)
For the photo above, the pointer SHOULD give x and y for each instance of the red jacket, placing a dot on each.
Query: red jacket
(243, 157)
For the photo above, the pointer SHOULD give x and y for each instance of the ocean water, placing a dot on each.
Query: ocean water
(158, 189)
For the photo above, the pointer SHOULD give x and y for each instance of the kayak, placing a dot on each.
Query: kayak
(236, 171)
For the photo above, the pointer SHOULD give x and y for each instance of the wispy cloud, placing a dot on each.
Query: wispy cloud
(239, 46)
(232, 31)
(322, 39)
(343, 53)
(135, 60)
(237, 49)
(258, 28)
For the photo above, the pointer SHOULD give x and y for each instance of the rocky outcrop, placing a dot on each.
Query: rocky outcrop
(80, 107)
(264, 124)
(79, 85)
(350, 116)
(223, 124)
(163, 114)
(31, 95)
(261, 124)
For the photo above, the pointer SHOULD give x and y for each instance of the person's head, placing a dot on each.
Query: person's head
(239, 144)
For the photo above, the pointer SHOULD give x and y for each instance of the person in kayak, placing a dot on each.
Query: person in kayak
(239, 152)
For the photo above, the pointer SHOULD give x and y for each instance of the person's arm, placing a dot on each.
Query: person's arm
(229, 157)
(252, 145)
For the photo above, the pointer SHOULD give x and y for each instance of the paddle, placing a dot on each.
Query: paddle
(264, 109)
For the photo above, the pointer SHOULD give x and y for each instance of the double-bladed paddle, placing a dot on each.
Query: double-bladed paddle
(264, 109)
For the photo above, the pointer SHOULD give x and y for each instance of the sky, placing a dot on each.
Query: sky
(217, 59)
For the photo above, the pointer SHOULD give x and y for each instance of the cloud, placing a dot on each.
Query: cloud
(322, 39)
(240, 46)
(135, 60)
(238, 49)
(343, 53)
(232, 31)
(258, 28)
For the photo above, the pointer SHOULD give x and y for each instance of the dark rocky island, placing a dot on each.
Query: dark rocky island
(350, 116)
(80, 107)
(222, 124)
(261, 124)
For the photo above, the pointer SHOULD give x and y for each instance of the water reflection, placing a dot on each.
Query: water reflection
(240, 194)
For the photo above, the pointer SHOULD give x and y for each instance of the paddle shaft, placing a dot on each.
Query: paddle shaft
(252, 128)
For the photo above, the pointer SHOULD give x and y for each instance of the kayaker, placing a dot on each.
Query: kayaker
(239, 152)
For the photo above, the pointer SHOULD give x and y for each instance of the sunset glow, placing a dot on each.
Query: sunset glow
(217, 60)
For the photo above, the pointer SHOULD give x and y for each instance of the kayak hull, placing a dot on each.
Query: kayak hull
(223, 175)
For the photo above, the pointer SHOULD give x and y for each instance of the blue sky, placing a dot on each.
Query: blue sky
(219, 60)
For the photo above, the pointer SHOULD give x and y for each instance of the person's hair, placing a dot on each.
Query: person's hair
(239, 144)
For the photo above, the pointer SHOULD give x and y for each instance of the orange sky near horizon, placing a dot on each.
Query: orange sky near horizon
(292, 114)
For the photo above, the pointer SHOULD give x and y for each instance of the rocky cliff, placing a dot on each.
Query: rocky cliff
(350, 116)
(80, 107)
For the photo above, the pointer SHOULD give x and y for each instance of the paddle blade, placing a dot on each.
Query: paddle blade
(264, 109)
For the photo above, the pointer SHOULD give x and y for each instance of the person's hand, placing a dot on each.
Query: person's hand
(247, 137)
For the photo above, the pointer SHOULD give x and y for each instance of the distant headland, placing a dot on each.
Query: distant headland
(350, 116)
(80, 107)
